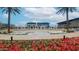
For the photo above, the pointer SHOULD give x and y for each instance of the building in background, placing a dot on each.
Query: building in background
(4, 26)
(73, 23)
(38, 25)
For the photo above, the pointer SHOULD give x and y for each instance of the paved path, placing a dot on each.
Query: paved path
(36, 37)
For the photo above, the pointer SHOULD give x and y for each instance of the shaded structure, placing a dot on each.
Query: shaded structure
(73, 23)
(38, 25)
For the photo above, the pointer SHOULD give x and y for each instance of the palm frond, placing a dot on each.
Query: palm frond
(14, 10)
(72, 9)
(17, 11)
(62, 10)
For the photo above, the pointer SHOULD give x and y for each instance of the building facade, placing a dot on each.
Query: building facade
(73, 23)
(4, 26)
(38, 25)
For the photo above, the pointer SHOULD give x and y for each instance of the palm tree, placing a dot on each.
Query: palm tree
(9, 11)
(66, 10)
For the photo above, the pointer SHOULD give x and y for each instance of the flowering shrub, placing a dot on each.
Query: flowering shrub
(14, 47)
(66, 44)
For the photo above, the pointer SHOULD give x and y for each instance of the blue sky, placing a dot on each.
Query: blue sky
(40, 14)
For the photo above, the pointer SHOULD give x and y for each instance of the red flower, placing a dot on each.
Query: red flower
(2, 46)
(14, 47)
(35, 48)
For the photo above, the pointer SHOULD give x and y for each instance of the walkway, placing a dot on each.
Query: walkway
(36, 37)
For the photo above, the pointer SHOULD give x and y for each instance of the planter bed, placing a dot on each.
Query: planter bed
(67, 44)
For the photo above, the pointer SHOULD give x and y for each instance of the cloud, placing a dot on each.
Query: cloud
(21, 23)
(5, 15)
(44, 14)
(41, 13)
(74, 15)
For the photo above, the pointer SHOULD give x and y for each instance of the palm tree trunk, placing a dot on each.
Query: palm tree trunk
(9, 10)
(67, 18)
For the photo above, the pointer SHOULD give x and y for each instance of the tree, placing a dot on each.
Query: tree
(9, 11)
(66, 10)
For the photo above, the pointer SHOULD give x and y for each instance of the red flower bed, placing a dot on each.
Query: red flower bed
(14, 47)
(67, 44)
